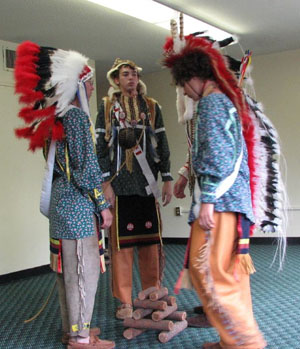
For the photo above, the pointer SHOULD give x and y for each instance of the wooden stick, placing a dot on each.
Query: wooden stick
(177, 316)
(147, 304)
(154, 296)
(181, 26)
(165, 336)
(145, 293)
(171, 300)
(160, 315)
(164, 325)
(131, 333)
(141, 313)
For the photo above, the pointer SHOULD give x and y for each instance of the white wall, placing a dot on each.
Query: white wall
(23, 230)
(277, 85)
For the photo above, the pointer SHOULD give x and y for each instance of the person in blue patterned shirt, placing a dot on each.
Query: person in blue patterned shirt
(221, 212)
(72, 197)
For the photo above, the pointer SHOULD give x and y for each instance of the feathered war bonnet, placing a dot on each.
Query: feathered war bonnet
(48, 80)
(114, 88)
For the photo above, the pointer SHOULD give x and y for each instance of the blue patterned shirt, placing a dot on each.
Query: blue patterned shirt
(218, 143)
(76, 196)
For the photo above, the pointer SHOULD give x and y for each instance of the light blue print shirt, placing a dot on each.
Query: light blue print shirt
(217, 145)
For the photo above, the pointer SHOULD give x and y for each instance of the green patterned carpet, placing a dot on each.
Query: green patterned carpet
(276, 301)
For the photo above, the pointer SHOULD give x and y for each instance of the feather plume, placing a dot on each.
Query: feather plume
(58, 131)
(271, 192)
(25, 132)
(42, 133)
(66, 68)
(30, 96)
(180, 104)
(29, 114)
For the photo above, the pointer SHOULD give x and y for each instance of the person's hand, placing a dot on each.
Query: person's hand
(206, 216)
(166, 193)
(107, 218)
(109, 193)
(179, 187)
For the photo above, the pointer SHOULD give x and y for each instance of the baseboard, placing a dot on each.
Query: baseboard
(177, 241)
(253, 241)
(271, 241)
(44, 269)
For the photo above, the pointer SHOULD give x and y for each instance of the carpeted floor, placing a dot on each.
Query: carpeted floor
(276, 301)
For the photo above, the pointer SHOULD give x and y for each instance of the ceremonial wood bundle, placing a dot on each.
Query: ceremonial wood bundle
(161, 311)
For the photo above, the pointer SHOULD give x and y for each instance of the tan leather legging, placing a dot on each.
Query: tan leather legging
(225, 296)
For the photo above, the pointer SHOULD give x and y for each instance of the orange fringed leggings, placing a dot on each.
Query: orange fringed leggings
(122, 265)
(225, 296)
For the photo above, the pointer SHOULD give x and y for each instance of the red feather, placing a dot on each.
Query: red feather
(58, 131)
(25, 132)
(168, 44)
(29, 115)
(31, 96)
(28, 60)
(42, 133)
(28, 48)
(47, 129)
(27, 79)
(249, 135)
(26, 76)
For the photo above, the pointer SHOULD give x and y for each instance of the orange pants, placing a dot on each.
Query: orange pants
(226, 297)
(122, 264)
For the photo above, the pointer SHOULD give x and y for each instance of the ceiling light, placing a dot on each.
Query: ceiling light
(158, 14)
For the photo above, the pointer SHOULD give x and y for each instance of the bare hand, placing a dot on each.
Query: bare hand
(109, 193)
(179, 187)
(166, 193)
(206, 216)
(107, 218)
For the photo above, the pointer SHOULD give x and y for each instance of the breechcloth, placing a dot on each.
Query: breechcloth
(149, 258)
(137, 221)
(223, 288)
(78, 284)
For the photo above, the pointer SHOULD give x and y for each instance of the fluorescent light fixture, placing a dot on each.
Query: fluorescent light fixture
(158, 14)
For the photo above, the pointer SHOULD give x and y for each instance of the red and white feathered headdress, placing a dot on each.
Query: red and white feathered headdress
(48, 80)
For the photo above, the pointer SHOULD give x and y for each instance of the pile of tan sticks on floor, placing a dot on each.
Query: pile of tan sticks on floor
(155, 310)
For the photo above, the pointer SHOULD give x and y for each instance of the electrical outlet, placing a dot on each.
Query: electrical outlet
(178, 211)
